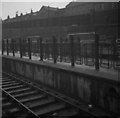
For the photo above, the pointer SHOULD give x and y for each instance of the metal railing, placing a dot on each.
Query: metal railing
(78, 49)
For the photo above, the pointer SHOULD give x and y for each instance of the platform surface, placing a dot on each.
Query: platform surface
(111, 74)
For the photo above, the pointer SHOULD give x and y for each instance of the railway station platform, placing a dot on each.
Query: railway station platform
(73, 53)
(82, 83)
(108, 73)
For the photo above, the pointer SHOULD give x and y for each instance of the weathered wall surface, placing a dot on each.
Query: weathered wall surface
(92, 89)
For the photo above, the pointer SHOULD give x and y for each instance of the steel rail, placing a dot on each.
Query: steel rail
(21, 104)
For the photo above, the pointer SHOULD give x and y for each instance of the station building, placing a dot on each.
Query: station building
(99, 17)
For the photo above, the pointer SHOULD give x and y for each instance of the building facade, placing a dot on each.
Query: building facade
(99, 17)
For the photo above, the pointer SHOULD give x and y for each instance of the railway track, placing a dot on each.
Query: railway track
(13, 108)
(29, 100)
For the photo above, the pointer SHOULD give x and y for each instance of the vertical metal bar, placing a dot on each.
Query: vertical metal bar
(38, 47)
(13, 47)
(3, 46)
(114, 51)
(86, 54)
(100, 53)
(72, 50)
(79, 48)
(61, 49)
(108, 57)
(20, 45)
(46, 50)
(54, 49)
(111, 55)
(29, 48)
(118, 53)
(7, 48)
(41, 49)
(92, 52)
(96, 51)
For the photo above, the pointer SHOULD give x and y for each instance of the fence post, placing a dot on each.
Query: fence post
(61, 49)
(20, 45)
(29, 48)
(118, 53)
(3, 46)
(13, 47)
(54, 49)
(41, 49)
(72, 50)
(7, 48)
(96, 51)
(79, 50)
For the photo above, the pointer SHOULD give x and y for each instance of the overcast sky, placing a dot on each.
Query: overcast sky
(10, 7)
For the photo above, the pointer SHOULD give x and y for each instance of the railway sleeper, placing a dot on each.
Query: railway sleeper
(9, 85)
(32, 95)
(14, 87)
(8, 82)
(44, 103)
(49, 108)
(31, 98)
(25, 93)
(39, 102)
(18, 91)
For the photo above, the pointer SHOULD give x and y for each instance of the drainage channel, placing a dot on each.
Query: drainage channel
(39, 101)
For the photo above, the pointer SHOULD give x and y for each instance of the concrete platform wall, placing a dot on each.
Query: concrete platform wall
(91, 89)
